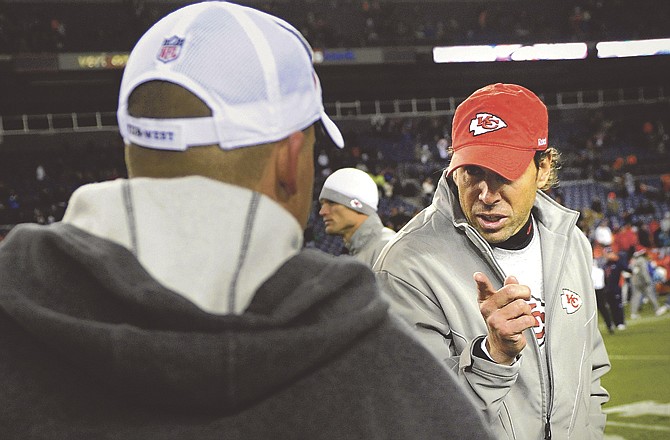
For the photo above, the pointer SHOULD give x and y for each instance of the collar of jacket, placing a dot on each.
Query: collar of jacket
(370, 228)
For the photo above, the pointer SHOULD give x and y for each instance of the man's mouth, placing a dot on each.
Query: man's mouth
(490, 221)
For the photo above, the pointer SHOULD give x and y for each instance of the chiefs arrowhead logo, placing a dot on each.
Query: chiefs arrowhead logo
(355, 203)
(485, 123)
(570, 301)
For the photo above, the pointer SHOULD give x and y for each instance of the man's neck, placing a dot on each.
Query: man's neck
(521, 239)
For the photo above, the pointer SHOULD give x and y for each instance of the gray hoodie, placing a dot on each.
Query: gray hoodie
(94, 347)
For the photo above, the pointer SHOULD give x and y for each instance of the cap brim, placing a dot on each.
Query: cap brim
(510, 163)
(332, 130)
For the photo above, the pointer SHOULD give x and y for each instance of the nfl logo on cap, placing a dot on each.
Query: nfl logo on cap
(170, 49)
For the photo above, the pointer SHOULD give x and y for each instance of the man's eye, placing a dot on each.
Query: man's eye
(473, 170)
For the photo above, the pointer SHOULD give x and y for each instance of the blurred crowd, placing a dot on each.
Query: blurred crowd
(32, 26)
(614, 167)
(36, 183)
(622, 189)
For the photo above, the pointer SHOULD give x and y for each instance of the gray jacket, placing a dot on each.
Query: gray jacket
(426, 271)
(369, 240)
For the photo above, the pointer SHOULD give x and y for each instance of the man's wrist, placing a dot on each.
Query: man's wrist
(481, 351)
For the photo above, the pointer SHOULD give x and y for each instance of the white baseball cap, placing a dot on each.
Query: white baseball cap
(352, 188)
(254, 71)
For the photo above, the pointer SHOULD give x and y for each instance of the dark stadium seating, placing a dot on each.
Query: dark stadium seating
(38, 26)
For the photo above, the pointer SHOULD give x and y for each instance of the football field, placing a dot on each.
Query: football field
(639, 382)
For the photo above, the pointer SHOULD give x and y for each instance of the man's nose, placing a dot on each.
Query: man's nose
(489, 191)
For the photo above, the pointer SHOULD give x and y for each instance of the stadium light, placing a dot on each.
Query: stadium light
(637, 48)
(510, 52)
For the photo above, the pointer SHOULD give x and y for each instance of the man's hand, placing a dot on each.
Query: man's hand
(507, 315)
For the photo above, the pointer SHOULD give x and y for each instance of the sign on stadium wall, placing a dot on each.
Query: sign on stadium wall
(92, 61)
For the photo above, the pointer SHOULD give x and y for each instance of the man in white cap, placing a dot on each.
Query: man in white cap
(349, 199)
(179, 303)
(495, 277)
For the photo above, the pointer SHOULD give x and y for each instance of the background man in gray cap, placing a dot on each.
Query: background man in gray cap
(495, 276)
(349, 200)
(179, 303)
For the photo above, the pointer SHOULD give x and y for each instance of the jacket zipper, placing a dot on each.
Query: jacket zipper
(547, 385)
(550, 382)
(549, 307)
(550, 388)
(547, 429)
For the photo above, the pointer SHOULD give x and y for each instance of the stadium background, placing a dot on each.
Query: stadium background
(61, 63)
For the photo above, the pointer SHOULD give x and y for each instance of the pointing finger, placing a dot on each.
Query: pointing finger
(484, 287)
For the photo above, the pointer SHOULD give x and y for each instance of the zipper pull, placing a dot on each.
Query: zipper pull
(547, 429)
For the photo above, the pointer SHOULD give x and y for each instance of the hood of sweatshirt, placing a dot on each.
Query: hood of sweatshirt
(211, 242)
(93, 305)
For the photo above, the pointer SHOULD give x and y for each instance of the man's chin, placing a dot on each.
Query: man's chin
(494, 236)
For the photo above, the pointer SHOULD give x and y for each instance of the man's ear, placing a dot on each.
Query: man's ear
(543, 171)
(288, 157)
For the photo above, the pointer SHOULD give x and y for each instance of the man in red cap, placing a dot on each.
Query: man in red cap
(495, 276)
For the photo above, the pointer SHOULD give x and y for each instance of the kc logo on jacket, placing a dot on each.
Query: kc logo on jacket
(570, 301)
(486, 123)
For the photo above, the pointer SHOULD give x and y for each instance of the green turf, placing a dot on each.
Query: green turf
(639, 382)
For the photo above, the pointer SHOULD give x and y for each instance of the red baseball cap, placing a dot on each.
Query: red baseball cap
(499, 127)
